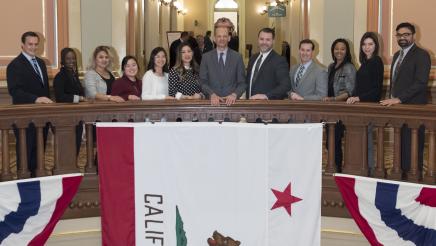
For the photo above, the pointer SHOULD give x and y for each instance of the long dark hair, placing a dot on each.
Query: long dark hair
(373, 36)
(347, 58)
(153, 53)
(179, 67)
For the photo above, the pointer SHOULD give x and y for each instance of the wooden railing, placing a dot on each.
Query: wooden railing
(59, 156)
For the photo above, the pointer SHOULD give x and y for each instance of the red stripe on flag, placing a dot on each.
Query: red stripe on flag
(116, 175)
(346, 187)
(70, 185)
(427, 197)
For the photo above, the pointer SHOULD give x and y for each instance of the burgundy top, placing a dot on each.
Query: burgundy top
(124, 87)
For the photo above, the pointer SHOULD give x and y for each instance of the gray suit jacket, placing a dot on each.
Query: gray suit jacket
(222, 83)
(313, 84)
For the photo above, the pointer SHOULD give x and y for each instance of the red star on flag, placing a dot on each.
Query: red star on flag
(285, 199)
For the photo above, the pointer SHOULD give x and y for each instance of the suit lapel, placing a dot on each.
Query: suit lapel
(30, 68)
(267, 59)
(307, 72)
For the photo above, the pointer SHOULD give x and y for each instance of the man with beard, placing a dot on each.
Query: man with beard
(409, 77)
(308, 79)
(267, 72)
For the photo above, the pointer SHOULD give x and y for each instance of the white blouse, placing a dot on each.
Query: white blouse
(153, 86)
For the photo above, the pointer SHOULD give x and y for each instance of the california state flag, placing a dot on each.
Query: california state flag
(201, 184)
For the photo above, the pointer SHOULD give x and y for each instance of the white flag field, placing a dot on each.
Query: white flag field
(207, 183)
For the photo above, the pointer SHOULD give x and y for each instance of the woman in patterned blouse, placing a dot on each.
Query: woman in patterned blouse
(183, 78)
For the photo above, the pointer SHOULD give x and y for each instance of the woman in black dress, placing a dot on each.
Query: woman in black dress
(369, 83)
(183, 79)
(68, 88)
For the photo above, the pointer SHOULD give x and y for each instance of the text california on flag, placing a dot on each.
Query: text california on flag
(390, 212)
(202, 183)
(30, 209)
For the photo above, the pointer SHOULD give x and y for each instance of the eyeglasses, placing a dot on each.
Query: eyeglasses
(403, 35)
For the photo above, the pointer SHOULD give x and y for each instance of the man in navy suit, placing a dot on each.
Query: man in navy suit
(28, 83)
(267, 72)
(410, 71)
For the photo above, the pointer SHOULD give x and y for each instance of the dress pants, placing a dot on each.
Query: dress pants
(339, 134)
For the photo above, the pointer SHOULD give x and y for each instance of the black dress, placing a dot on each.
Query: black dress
(369, 80)
(187, 84)
(66, 85)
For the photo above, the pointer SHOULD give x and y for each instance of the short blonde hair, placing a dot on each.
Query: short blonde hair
(92, 64)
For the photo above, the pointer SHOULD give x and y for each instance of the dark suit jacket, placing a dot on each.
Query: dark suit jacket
(411, 84)
(66, 86)
(173, 52)
(208, 45)
(272, 78)
(222, 83)
(24, 84)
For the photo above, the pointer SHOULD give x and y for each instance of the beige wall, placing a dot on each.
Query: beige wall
(254, 22)
(196, 12)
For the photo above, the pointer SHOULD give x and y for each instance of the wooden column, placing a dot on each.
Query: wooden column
(396, 168)
(430, 175)
(23, 171)
(330, 168)
(380, 167)
(90, 166)
(355, 151)
(65, 159)
(413, 174)
(6, 174)
(40, 151)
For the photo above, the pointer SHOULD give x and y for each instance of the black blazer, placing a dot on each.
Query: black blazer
(411, 84)
(66, 86)
(24, 84)
(272, 78)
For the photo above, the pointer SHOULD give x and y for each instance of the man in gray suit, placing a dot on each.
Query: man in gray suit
(222, 71)
(309, 80)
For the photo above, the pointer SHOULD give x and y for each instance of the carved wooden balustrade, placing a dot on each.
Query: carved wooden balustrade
(61, 157)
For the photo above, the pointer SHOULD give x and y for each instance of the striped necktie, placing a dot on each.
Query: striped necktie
(35, 66)
(299, 75)
(397, 67)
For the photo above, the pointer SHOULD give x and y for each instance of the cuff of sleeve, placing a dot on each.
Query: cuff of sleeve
(76, 99)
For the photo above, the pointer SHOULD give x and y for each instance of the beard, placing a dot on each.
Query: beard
(404, 43)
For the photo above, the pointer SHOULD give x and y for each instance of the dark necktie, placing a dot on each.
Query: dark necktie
(221, 61)
(35, 66)
(256, 70)
(299, 75)
(397, 68)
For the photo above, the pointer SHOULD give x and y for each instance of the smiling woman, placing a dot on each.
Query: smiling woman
(129, 87)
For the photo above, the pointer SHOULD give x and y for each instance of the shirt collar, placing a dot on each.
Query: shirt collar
(221, 51)
(405, 50)
(264, 55)
(307, 64)
(28, 57)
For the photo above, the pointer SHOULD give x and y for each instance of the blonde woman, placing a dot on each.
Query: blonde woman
(98, 78)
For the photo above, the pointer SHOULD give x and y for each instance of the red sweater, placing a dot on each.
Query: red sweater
(124, 87)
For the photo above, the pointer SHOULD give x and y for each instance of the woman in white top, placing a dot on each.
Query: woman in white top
(98, 78)
(155, 80)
